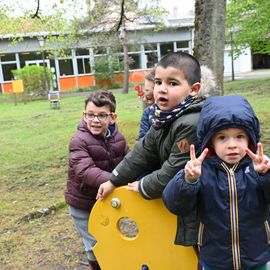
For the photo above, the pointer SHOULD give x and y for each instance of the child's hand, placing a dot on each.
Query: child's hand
(104, 189)
(193, 167)
(134, 186)
(261, 162)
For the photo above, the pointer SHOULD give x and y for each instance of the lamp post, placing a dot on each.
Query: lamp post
(41, 41)
(123, 40)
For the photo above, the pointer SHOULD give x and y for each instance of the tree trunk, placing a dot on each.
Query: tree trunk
(124, 41)
(126, 69)
(209, 38)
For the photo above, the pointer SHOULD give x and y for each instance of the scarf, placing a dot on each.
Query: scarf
(161, 118)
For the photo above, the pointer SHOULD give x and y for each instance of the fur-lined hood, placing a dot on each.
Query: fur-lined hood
(208, 81)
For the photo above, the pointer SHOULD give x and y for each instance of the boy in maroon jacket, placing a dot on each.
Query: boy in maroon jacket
(94, 151)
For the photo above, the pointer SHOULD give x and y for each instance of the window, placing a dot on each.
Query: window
(7, 68)
(166, 48)
(151, 59)
(65, 67)
(83, 65)
(151, 55)
(83, 52)
(150, 47)
(83, 61)
(134, 61)
(7, 57)
(8, 63)
(65, 64)
(182, 46)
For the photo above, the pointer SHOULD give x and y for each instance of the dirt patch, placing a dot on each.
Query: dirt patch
(49, 243)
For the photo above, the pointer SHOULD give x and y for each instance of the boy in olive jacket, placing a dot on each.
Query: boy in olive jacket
(166, 145)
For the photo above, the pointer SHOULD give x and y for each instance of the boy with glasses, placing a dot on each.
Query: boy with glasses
(94, 151)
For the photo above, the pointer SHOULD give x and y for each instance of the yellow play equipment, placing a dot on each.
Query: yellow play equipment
(134, 234)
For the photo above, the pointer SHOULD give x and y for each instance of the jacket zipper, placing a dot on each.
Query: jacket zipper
(107, 144)
(267, 229)
(200, 235)
(234, 216)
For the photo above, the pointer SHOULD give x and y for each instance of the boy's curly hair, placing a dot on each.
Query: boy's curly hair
(101, 98)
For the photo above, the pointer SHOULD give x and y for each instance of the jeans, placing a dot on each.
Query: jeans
(80, 218)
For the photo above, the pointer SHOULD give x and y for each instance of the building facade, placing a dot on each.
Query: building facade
(76, 69)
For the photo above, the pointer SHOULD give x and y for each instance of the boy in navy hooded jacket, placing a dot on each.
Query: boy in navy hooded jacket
(230, 186)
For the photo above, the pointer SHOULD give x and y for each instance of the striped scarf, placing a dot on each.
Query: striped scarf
(160, 118)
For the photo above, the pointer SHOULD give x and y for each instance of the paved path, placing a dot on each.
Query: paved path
(258, 73)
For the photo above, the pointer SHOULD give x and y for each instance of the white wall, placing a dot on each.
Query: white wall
(179, 8)
(242, 64)
(186, 8)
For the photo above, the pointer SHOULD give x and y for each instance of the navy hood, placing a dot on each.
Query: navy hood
(221, 112)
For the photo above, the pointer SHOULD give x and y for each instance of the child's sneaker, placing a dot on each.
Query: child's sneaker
(94, 265)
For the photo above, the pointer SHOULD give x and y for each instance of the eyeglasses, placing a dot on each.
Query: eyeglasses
(100, 117)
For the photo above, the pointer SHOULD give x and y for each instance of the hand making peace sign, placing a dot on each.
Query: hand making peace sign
(193, 167)
(261, 162)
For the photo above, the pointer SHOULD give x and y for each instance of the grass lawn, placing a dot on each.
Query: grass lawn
(34, 152)
(257, 92)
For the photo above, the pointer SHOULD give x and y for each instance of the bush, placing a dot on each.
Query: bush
(33, 78)
(104, 70)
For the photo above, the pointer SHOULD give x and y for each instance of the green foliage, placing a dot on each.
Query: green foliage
(49, 24)
(250, 24)
(123, 12)
(26, 24)
(33, 78)
(100, 25)
(105, 67)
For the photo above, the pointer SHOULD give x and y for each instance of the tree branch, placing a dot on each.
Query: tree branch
(36, 15)
(122, 14)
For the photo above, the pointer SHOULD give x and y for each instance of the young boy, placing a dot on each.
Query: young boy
(230, 186)
(148, 99)
(94, 151)
(166, 144)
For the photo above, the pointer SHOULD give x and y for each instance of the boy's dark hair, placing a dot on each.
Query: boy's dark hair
(184, 62)
(101, 98)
